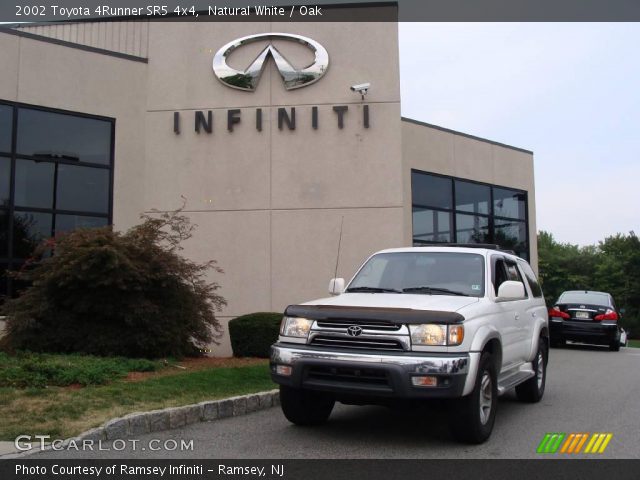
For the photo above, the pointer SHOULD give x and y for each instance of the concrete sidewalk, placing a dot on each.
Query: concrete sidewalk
(7, 448)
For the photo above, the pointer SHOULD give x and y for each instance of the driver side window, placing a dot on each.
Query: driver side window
(500, 275)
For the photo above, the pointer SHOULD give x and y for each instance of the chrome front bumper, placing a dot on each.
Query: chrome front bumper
(390, 373)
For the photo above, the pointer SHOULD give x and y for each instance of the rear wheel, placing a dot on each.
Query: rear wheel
(615, 346)
(533, 389)
(471, 418)
(305, 407)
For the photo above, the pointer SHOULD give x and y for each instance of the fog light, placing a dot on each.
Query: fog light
(424, 381)
(284, 370)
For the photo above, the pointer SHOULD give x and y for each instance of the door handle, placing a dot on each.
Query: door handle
(517, 315)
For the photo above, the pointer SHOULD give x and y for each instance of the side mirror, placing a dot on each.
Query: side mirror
(336, 286)
(511, 290)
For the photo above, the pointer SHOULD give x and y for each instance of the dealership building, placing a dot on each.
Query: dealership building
(256, 127)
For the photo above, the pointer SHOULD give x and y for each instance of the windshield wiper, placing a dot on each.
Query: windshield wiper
(426, 289)
(373, 290)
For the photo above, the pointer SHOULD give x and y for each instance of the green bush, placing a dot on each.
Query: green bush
(39, 370)
(131, 294)
(252, 335)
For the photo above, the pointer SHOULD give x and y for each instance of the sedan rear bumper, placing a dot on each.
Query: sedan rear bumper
(601, 333)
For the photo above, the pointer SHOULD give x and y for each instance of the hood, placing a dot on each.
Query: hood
(442, 303)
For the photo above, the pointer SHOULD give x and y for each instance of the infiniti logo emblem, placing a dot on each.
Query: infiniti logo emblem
(248, 79)
(354, 330)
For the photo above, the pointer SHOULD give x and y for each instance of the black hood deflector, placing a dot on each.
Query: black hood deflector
(361, 314)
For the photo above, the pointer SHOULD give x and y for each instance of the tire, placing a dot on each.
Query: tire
(532, 390)
(305, 407)
(615, 346)
(471, 418)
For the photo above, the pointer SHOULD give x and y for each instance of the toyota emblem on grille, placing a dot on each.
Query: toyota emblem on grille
(354, 330)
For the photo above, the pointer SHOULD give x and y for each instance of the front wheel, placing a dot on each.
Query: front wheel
(305, 407)
(532, 390)
(471, 418)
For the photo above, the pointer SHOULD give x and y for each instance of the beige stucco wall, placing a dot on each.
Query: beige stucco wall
(128, 37)
(449, 153)
(269, 204)
(55, 76)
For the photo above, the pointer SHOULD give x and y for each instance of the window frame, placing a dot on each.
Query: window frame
(7, 257)
(454, 211)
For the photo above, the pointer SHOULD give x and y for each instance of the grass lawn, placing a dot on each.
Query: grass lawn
(65, 411)
(634, 343)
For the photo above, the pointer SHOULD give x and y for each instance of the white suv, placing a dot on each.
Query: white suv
(460, 323)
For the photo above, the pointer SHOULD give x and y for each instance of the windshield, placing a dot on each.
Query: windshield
(588, 298)
(434, 273)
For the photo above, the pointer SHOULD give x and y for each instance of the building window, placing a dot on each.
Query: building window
(453, 210)
(56, 175)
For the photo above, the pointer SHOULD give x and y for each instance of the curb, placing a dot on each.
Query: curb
(139, 423)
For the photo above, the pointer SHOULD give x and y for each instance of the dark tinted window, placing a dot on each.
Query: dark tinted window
(56, 135)
(431, 225)
(472, 197)
(6, 122)
(3, 280)
(84, 189)
(5, 180)
(531, 279)
(4, 235)
(509, 203)
(431, 191)
(472, 229)
(511, 235)
(29, 229)
(499, 275)
(470, 217)
(588, 298)
(66, 223)
(34, 184)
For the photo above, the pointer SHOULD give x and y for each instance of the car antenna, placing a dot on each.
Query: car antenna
(335, 275)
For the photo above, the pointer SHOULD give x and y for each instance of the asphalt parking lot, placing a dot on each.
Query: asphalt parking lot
(589, 389)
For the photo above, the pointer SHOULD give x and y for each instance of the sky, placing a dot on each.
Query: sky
(566, 91)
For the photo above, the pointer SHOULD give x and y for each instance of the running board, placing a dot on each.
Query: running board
(525, 372)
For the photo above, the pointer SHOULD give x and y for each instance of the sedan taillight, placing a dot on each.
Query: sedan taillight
(608, 315)
(555, 312)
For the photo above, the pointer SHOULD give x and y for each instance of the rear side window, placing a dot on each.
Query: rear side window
(531, 279)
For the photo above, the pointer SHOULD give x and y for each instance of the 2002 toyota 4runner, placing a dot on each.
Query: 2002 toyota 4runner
(457, 323)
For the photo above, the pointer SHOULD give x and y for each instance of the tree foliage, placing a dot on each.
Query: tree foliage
(103, 292)
(612, 266)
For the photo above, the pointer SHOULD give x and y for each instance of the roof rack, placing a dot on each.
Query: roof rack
(488, 246)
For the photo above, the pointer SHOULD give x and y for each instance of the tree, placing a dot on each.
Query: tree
(103, 292)
(613, 266)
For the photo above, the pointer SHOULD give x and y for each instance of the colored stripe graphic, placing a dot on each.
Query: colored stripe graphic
(550, 442)
(572, 443)
(598, 443)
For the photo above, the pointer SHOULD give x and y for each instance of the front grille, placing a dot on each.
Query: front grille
(367, 343)
(365, 324)
(366, 376)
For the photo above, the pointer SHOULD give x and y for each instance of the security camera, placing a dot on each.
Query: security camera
(362, 88)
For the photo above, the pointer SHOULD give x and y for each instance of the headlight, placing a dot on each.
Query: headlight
(295, 327)
(436, 334)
